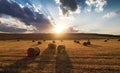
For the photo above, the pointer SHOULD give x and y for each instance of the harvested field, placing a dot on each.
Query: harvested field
(99, 57)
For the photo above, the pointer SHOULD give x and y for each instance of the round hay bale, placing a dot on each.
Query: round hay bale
(118, 39)
(88, 43)
(39, 42)
(61, 48)
(33, 40)
(105, 41)
(77, 42)
(32, 52)
(85, 43)
(18, 40)
(53, 41)
(52, 46)
(37, 51)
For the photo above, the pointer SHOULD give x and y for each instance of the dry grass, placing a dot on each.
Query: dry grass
(99, 57)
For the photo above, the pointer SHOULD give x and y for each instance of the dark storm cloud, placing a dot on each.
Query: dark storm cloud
(11, 29)
(68, 5)
(25, 14)
(11, 9)
(12, 24)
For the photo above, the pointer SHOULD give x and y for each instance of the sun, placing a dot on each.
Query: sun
(58, 29)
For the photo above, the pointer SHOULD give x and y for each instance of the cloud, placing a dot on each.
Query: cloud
(97, 5)
(72, 29)
(57, 1)
(110, 15)
(23, 15)
(11, 24)
(68, 6)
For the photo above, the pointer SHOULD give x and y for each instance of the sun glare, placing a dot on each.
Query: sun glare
(58, 29)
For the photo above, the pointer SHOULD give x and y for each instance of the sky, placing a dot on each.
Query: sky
(69, 16)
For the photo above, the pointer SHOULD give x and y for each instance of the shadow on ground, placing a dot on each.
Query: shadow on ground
(63, 63)
(22, 64)
(18, 66)
(47, 57)
(94, 46)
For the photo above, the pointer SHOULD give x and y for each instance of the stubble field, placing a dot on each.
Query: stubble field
(99, 57)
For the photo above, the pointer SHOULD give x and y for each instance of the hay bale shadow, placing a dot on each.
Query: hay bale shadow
(105, 40)
(118, 39)
(47, 55)
(39, 42)
(94, 46)
(18, 66)
(34, 45)
(63, 63)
